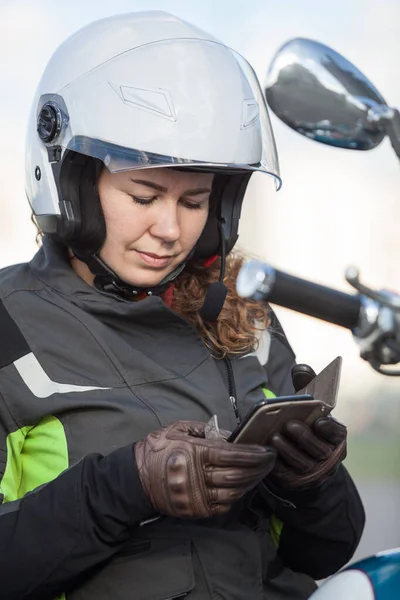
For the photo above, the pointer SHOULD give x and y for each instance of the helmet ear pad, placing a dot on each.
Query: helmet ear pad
(82, 225)
(225, 208)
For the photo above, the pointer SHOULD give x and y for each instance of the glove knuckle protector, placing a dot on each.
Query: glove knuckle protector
(186, 476)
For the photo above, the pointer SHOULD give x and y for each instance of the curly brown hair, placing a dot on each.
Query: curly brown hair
(39, 233)
(237, 328)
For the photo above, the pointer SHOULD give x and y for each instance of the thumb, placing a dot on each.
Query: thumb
(331, 430)
(187, 428)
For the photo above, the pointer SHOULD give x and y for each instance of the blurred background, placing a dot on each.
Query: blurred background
(336, 208)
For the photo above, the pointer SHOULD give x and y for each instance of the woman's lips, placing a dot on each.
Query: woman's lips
(153, 260)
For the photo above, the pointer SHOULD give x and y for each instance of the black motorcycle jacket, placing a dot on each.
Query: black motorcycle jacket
(83, 375)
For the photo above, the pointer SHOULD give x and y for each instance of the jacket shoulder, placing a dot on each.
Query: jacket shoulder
(17, 277)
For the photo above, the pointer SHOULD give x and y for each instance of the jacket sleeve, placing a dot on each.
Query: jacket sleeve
(320, 528)
(317, 530)
(61, 530)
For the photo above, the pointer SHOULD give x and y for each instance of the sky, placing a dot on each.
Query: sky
(336, 208)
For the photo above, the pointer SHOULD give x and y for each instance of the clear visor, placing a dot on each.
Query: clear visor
(118, 159)
(225, 127)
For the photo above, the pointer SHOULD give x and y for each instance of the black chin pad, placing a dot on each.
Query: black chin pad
(213, 301)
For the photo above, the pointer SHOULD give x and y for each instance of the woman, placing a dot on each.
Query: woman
(121, 341)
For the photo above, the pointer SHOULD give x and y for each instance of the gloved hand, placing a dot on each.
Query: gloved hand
(187, 476)
(307, 456)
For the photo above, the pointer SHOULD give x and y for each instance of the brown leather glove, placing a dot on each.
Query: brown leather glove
(308, 456)
(187, 476)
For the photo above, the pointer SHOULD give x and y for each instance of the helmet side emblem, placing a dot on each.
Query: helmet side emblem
(49, 122)
(153, 100)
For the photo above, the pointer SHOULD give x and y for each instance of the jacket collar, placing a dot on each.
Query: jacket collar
(51, 265)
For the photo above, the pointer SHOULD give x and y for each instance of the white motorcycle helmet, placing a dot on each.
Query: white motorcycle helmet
(141, 90)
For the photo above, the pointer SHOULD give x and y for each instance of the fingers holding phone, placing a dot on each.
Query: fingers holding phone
(308, 455)
(310, 451)
(309, 443)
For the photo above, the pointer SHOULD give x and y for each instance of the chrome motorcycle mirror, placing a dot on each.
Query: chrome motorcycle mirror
(321, 95)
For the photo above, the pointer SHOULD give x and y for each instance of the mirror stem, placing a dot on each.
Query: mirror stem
(389, 118)
(393, 129)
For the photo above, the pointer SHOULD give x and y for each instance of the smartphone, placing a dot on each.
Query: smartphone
(268, 417)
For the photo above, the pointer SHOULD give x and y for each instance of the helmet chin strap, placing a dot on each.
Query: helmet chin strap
(106, 280)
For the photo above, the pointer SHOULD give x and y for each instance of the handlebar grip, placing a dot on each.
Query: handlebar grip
(259, 281)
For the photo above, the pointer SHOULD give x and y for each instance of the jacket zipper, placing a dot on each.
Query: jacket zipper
(232, 388)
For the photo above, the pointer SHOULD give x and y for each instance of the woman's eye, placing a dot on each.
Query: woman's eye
(147, 201)
(144, 200)
(191, 205)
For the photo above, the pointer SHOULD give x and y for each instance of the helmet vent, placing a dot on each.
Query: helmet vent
(154, 100)
(250, 114)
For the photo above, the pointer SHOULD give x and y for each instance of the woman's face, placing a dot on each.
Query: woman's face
(154, 217)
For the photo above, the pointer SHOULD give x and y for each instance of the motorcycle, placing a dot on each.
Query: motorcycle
(321, 95)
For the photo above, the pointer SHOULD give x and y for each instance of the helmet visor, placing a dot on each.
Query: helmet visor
(207, 111)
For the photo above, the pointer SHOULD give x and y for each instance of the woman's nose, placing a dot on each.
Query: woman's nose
(166, 223)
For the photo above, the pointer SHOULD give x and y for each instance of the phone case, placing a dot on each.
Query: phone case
(270, 416)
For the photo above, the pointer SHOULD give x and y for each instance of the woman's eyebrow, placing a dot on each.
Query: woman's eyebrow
(161, 188)
(155, 186)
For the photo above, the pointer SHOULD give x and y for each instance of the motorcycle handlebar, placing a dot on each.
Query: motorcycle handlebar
(260, 281)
